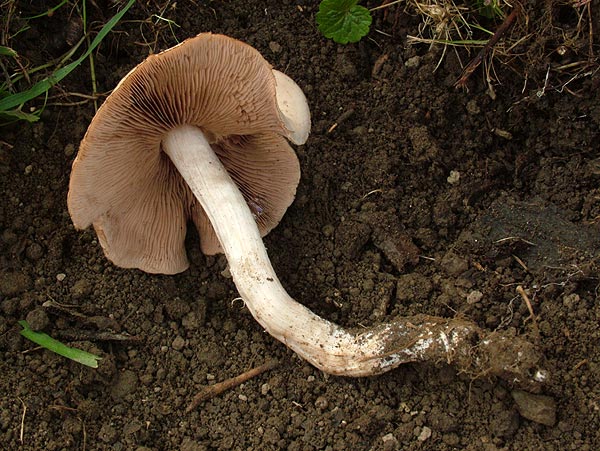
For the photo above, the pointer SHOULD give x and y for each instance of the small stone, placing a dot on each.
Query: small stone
(413, 62)
(321, 403)
(328, 230)
(69, 149)
(28, 169)
(265, 389)
(538, 408)
(453, 178)
(37, 319)
(61, 276)
(472, 107)
(81, 289)
(243, 397)
(390, 442)
(179, 343)
(275, 47)
(571, 300)
(474, 297)
(425, 434)
(210, 377)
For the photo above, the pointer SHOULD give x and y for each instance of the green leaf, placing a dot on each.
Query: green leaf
(343, 20)
(7, 51)
(44, 85)
(19, 115)
(45, 341)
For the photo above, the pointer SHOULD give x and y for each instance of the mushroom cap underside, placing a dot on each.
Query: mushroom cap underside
(123, 184)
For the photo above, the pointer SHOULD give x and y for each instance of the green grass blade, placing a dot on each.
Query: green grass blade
(45, 341)
(19, 115)
(44, 85)
(7, 51)
(48, 12)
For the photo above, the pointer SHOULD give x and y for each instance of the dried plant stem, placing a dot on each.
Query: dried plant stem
(214, 390)
(475, 62)
(22, 429)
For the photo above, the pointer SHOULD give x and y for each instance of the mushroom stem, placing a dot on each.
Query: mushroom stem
(360, 352)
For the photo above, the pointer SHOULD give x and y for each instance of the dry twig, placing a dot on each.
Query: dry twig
(475, 62)
(22, 431)
(525, 297)
(216, 389)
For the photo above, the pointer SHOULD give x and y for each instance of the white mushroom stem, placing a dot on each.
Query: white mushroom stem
(324, 344)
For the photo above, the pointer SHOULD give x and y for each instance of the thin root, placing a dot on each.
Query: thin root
(525, 297)
(22, 431)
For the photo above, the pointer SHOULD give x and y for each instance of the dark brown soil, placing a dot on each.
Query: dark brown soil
(426, 199)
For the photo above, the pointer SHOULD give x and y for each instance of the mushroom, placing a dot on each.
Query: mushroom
(198, 132)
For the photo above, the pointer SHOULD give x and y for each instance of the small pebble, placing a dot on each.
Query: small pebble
(81, 289)
(275, 47)
(473, 108)
(179, 343)
(69, 149)
(538, 408)
(321, 403)
(61, 276)
(265, 389)
(425, 434)
(390, 442)
(474, 297)
(328, 230)
(571, 300)
(243, 398)
(453, 178)
(413, 62)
